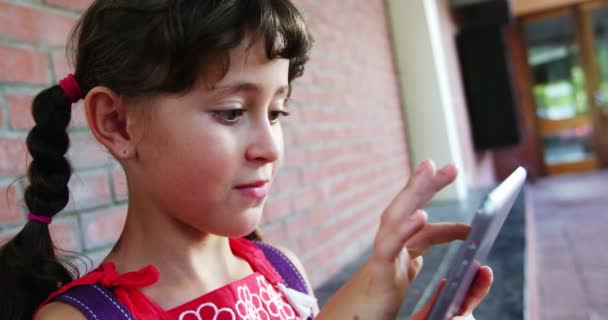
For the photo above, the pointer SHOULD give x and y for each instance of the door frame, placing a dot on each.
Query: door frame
(584, 38)
(593, 77)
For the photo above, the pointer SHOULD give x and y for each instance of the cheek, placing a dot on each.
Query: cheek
(210, 158)
(194, 155)
(201, 175)
(280, 143)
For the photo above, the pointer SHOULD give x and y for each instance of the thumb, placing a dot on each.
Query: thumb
(413, 268)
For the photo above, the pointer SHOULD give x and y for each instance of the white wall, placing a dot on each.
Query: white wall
(425, 87)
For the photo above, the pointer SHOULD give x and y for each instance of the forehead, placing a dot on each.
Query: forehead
(249, 63)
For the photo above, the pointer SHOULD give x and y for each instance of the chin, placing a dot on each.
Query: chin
(240, 233)
(242, 227)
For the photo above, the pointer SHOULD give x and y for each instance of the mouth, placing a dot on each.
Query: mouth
(255, 184)
(257, 190)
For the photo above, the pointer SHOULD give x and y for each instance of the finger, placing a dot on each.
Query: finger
(424, 312)
(418, 192)
(413, 268)
(478, 290)
(390, 242)
(436, 233)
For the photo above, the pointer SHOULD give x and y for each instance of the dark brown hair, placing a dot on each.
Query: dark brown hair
(135, 48)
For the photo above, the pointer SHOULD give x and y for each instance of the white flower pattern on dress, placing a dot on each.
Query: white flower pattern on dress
(198, 314)
(249, 306)
(268, 303)
(274, 301)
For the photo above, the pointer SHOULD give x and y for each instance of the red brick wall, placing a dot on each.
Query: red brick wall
(346, 153)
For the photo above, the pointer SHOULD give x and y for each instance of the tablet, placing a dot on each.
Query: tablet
(485, 227)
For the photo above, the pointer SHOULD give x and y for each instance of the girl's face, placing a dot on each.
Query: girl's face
(208, 157)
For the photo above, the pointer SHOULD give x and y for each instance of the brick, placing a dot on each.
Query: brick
(20, 110)
(119, 183)
(314, 175)
(65, 233)
(74, 5)
(276, 209)
(288, 137)
(88, 191)
(284, 182)
(2, 125)
(61, 65)
(308, 199)
(23, 65)
(13, 157)
(299, 226)
(86, 152)
(342, 186)
(10, 209)
(33, 25)
(295, 157)
(321, 236)
(276, 233)
(103, 227)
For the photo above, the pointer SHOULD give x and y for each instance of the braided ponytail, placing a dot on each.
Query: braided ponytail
(29, 268)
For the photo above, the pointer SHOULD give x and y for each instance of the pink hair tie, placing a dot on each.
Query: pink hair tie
(31, 216)
(71, 88)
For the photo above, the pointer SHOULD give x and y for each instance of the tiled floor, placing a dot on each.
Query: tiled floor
(571, 238)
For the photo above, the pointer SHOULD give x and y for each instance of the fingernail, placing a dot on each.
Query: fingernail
(423, 166)
(433, 166)
(448, 169)
(491, 272)
(420, 213)
(425, 215)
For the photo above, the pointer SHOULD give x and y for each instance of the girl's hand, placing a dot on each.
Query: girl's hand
(478, 290)
(378, 289)
(404, 235)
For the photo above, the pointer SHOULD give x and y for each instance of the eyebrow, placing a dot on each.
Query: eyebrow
(248, 87)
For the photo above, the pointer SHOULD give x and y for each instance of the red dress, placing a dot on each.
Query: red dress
(253, 297)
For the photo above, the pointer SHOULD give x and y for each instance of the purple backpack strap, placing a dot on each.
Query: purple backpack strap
(284, 267)
(96, 303)
(293, 278)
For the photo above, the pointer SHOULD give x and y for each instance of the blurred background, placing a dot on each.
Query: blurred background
(486, 84)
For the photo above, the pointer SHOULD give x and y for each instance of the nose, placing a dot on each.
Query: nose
(265, 143)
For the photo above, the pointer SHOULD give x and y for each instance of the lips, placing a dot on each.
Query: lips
(257, 190)
(256, 184)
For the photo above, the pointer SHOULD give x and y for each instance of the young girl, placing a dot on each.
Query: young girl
(187, 96)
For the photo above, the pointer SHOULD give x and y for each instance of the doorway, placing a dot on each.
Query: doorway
(567, 59)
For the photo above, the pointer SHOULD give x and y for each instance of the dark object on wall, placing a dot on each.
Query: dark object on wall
(475, 13)
(485, 70)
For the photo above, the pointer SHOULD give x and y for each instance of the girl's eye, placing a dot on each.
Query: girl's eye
(229, 116)
(274, 116)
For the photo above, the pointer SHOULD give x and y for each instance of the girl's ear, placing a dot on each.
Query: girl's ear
(111, 122)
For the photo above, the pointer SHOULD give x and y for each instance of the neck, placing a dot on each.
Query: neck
(189, 261)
